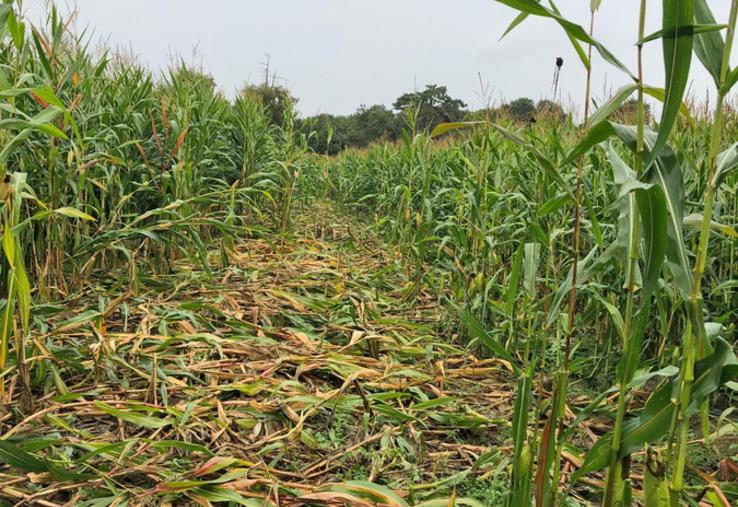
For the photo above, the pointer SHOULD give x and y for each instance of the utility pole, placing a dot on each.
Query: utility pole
(265, 66)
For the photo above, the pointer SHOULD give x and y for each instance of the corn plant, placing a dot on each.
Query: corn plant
(168, 273)
(631, 193)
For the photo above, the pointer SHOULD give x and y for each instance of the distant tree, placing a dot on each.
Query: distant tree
(329, 134)
(277, 100)
(371, 124)
(628, 112)
(432, 105)
(485, 114)
(189, 74)
(549, 110)
(521, 110)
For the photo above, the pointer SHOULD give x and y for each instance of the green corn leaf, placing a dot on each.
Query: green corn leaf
(588, 266)
(652, 207)
(16, 29)
(16, 457)
(443, 128)
(521, 412)
(573, 30)
(21, 459)
(651, 204)
(552, 205)
(625, 181)
(78, 320)
(19, 124)
(596, 134)
(23, 288)
(436, 402)
(660, 94)
(132, 417)
(47, 94)
(9, 245)
(602, 131)
(666, 172)
(218, 494)
(41, 53)
(177, 444)
(514, 23)
(615, 315)
(695, 29)
(708, 47)
(652, 423)
(372, 492)
(477, 331)
(514, 279)
(623, 93)
(520, 494)
(605, 110)
(694, 222)
(532, 258)
(727, 161)
(639, 380)
(730, 81)
(593, 220)
(677, 60)
(99, 449)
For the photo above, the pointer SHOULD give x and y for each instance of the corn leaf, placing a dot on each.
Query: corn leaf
(573, 30)
(652, 423)
(708, 47)
(133, 417)
(677, 50)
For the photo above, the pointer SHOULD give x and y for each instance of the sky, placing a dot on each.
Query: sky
(335, 55)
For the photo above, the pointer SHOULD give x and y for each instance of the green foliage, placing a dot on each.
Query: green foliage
(548, 110)
(463, 215)
(522, 110)
(329, 135)
(277, 101)
(135, 196)
(430, 106)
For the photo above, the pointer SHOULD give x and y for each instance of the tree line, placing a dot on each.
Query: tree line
(416, 111)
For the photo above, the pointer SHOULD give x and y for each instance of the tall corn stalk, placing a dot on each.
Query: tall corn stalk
(614, 490)
(695, 345)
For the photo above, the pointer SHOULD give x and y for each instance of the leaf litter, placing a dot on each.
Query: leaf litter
(299, 373)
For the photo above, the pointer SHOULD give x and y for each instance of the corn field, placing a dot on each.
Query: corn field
(196, 309)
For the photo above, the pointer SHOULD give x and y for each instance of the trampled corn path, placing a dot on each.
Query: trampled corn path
(297, 366)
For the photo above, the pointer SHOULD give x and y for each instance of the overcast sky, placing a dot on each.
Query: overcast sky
(337, 54)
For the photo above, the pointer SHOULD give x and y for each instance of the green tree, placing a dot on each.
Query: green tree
(549, 110)
(329, 134)
(375, 123)
(432, 106)
(521, 110)
(277, 101)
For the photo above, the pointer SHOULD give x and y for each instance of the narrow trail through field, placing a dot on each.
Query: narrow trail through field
(300, 365)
